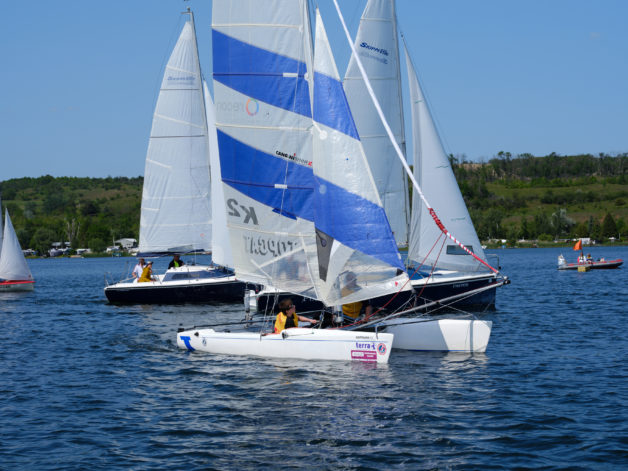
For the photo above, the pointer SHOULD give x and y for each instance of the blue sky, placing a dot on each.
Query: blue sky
(80, 79)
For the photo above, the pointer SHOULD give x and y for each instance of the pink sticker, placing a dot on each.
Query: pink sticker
(361, 355)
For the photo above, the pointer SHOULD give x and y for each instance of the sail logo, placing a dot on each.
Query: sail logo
(294, 158)
(367, 54)
(239, 210)
(252, 107)
(188, 78)
(374, 49)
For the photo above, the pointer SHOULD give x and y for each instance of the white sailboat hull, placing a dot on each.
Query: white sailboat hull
(301, 343)
(443, 335)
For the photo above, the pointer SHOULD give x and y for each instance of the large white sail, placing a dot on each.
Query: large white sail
(435, 176)
(13, 265)
(377, 45)
(358, 256)
(176, 212)
(262, 53)
(221, 247)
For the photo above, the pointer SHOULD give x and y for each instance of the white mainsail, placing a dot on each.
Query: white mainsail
(378, 48)
(176, 211)
(358, 257)
(262, 91)
(221, 247)
(13, 265)
(435, 176)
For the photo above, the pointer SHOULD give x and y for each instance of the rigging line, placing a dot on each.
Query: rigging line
(367, 82)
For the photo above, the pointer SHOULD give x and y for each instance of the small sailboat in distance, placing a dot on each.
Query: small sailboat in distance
(14, 272)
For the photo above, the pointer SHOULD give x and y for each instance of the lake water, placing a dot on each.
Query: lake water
(88, 385)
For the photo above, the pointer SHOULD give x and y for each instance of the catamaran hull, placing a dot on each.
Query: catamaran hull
(301, 343)
(443, 335)
(176, 293)
(266, 300)
(12, 286)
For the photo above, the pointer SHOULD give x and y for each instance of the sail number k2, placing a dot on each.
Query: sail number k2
(240, 211)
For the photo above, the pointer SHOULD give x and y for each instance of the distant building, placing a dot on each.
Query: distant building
(126, 243)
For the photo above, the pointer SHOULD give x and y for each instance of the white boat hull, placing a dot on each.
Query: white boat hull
(302, 343)
(445, 335)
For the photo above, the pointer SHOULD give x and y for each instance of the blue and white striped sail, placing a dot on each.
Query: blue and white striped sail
(378, 48)
(176, 211)
(434, 174)
(357, 253)
(262, 53)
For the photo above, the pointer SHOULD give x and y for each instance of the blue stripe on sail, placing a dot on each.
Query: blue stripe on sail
(258, 73)
(255, 173)
(331, 107)
(364, 227)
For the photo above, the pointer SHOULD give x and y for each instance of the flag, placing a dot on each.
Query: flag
(578, 245)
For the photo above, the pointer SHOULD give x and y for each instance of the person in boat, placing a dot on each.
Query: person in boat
(139, 268)
(288, 316)
(147, 273)
(589, 258)
(351, 312)
(176, 262)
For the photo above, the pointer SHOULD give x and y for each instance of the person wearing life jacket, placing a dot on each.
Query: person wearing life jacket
(352, 311)
(175, 262)
(288, 316)
(147, 273)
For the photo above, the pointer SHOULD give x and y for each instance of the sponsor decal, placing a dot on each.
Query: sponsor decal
(367, 46)
(252, 106)
(381, 349)
(259, 245)
(294, 158)
(360, 355)
(187, 78)
(365, 346)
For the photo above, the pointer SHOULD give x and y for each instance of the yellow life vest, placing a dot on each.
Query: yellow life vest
(280, 322)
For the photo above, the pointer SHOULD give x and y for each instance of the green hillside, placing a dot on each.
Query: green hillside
(521, 197)
(87, 212)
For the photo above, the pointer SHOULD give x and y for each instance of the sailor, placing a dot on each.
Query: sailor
(352, 311)
(147, 273)
(288, 317)
(175, 262)
(137, 270)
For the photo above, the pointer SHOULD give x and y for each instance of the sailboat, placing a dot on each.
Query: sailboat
(178, 200)
(14, 272)
(305, 214)
(444, 272)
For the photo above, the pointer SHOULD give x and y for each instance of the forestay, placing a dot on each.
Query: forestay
(221, 247)
(176, 212)
(435, 176)
(261, 54)
(377, 45)
(13, 265)
(358, 257)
